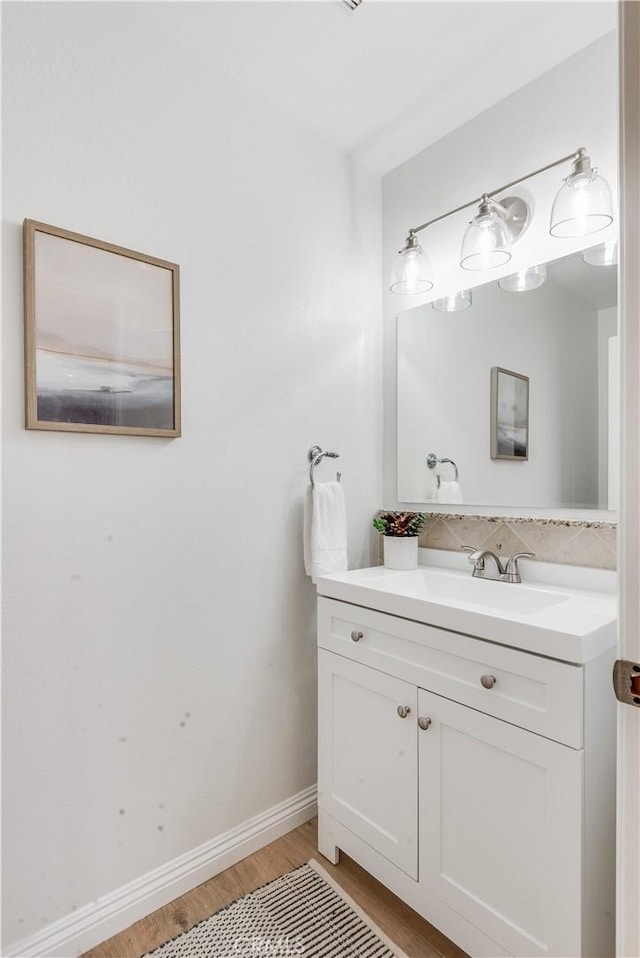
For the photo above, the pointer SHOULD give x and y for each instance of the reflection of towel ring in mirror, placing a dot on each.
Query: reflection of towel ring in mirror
(316, 455)
(432, 462)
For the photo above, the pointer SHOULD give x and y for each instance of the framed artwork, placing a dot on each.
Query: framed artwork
(102, 336)
(509, 415)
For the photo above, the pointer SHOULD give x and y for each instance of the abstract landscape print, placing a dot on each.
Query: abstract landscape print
(101, 336)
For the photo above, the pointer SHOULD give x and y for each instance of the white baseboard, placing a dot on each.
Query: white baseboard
(88, 926)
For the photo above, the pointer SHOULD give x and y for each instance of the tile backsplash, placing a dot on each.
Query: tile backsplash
(572, 542)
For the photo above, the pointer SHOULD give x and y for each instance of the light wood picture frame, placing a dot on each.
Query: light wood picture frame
(509, 415)
(102, 336)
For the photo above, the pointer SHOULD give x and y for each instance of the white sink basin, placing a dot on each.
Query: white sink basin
(574, 625)
(443, 586)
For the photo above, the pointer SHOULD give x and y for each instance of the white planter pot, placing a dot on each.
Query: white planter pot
(400, 552)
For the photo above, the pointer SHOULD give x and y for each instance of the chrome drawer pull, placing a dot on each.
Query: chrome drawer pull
(403, 711)
(356, 636)
(488, 681)
(424, 722)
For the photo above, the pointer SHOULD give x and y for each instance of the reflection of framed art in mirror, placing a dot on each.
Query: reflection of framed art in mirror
(509, 415)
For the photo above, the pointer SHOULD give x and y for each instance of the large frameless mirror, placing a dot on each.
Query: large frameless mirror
(556, 330)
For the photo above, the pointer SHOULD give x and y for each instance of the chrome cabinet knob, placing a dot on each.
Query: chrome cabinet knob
(488, 681)
(403, 711)
(356, 636)
(424, 722)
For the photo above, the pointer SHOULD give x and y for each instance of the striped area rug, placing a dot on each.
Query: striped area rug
(303, 913)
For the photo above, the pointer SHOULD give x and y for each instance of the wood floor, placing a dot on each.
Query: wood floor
(415, 936)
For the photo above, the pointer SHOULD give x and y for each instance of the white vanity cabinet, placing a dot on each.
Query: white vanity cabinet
(360, 718)
(473, 779)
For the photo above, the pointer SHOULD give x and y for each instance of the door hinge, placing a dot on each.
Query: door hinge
(626, 682)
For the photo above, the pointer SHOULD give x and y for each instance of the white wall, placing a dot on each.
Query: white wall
(159, 659)
(444, 395)
(573, 105)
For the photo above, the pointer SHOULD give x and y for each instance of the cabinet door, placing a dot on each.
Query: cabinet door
(500, 827)
(367, 764)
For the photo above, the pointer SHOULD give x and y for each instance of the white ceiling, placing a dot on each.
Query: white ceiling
(386, 80)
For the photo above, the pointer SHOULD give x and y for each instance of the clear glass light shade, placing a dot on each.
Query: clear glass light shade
(524, 280)
(411, 272)
(486, 243)
(583, 205)
(604, 255)
(453, 302)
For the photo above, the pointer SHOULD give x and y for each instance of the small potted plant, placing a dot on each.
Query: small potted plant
(400, 531)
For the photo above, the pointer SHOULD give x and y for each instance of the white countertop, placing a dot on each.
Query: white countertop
(571, 624)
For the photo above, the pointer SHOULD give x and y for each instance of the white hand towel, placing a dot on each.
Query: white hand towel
(449, 492)
(325, 530)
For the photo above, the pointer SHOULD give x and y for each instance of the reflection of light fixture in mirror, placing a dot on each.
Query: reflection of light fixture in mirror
(487, 241)
(411, 271)
(604, 255)
(583, 204)
(524, 280)
(453, 302)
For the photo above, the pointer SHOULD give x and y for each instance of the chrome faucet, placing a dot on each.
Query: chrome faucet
(504, 572)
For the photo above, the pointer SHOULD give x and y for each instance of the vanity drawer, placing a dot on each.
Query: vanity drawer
(532, 692)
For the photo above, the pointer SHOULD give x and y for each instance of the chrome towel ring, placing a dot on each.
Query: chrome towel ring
(316, 455)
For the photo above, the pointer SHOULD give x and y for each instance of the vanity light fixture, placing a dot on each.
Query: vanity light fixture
(454, 302)
(487, 241)
(524, 279)
(412, 271)
(583, 205)
(604, 255)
